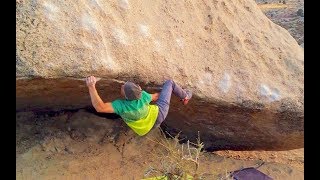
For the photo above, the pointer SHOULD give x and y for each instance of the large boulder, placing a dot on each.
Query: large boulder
(245, 71)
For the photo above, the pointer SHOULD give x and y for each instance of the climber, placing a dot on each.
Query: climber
(134, 108)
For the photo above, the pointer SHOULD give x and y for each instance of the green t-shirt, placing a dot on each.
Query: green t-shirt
(138, 114)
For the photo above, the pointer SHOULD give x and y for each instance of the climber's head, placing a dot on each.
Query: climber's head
(131, 91)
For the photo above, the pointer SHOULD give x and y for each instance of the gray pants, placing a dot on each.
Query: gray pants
(163, 101)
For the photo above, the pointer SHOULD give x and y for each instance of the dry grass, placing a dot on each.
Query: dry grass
(178, 161)
(265, 7)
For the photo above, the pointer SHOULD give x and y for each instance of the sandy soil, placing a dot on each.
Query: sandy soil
(82, 145)
(293, 158)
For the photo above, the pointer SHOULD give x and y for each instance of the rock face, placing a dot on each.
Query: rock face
(245, 71)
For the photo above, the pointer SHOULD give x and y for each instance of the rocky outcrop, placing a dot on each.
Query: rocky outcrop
(245, 71)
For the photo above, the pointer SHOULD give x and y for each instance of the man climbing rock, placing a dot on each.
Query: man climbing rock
(135, 108)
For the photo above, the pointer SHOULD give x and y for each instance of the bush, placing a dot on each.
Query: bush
(300, 13)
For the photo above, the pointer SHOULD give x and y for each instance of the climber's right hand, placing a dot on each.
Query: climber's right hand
(91, 81)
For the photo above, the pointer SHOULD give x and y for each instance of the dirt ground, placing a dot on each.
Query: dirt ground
(83, 145)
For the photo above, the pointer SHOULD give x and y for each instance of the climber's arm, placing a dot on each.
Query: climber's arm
(96, 101)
